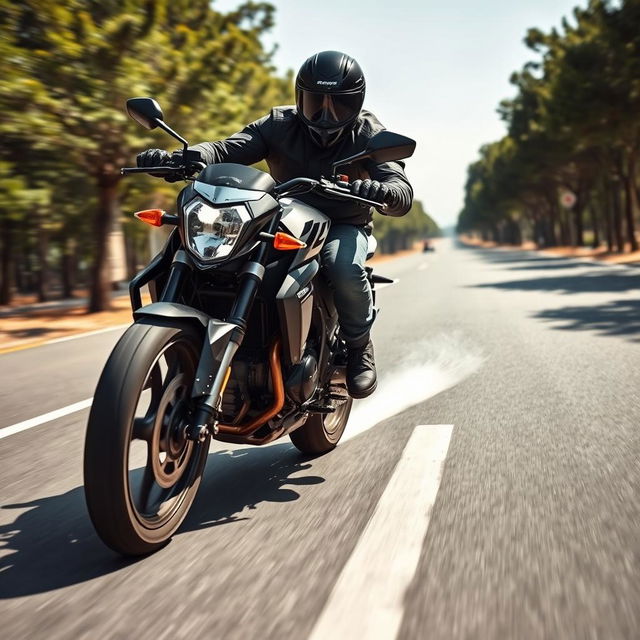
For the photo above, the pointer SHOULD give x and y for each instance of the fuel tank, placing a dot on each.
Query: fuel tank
(295, 297)
(306, 223)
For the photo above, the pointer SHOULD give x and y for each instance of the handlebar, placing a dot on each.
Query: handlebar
(165, 171)
(323, 187)
(154, 170)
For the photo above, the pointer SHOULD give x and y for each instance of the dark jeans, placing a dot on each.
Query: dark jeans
(343, 257)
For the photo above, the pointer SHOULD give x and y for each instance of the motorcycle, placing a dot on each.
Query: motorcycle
(240, 342)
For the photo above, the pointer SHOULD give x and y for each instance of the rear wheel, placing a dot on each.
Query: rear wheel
(141, 473)
(321, 432)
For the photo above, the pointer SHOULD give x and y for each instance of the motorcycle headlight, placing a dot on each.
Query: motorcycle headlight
(212, 231)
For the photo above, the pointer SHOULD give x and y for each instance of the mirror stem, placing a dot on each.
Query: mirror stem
(171, 132)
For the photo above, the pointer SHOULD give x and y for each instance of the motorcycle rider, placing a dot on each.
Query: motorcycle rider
(326, 124)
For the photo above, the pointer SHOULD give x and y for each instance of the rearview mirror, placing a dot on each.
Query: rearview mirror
(145, 111)
(384, 146)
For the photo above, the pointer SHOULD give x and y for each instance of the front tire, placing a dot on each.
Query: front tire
(141, 474)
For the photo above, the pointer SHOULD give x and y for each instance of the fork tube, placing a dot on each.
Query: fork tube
(251, 279)
(180, 266)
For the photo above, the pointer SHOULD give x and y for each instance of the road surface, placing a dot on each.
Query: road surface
(498, 461)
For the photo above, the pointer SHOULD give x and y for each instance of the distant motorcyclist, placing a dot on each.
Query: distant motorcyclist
(326, 124)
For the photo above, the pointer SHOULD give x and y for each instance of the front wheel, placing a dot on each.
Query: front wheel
(141, 473)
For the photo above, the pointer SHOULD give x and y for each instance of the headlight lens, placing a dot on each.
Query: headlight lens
(211, 231)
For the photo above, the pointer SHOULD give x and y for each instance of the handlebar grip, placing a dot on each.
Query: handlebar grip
(157, 171)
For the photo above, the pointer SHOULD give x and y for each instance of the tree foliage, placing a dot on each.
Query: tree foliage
(394, 234)
(70, 65)
(574, 125)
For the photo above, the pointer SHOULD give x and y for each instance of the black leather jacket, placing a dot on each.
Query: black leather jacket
(281, 139)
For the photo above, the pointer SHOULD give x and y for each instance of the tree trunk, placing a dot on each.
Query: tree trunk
(7, 263)
(578, 220)
(617, 218)
(630, 200)
(565, 232)
(595, 225)
(551, 227)
(42, 251)
(108, 209)
(68, 268)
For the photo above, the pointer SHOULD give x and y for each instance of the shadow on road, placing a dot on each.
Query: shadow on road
(614, 318)
(553, 266)
(242, 479)
(618, 318)
(609, 282)
(53, 544)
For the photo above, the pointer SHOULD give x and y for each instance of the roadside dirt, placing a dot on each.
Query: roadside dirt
(36, 327)
(599, 253)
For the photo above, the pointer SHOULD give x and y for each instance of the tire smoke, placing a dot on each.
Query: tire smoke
(431, 367)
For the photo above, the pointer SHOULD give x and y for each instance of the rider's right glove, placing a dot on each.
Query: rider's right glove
(153, 158)
(376, 191)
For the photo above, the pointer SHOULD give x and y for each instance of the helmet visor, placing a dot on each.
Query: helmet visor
(329, 110)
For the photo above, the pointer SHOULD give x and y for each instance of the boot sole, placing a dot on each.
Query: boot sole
(363, 394)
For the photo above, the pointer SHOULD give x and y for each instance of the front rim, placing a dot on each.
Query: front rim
(161, 463)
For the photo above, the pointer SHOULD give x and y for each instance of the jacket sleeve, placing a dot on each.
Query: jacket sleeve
(392, 174)
(245, 147)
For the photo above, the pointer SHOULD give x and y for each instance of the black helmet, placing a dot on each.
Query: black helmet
(329, 95)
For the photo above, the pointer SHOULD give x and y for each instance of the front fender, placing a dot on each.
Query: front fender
(216, 338)
(171, 311)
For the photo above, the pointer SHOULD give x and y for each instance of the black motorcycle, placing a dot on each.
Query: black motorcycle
(240, 342)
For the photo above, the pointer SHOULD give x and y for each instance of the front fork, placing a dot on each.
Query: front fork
(231, 333)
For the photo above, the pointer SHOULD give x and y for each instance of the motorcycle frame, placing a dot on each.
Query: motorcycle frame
(167, 273)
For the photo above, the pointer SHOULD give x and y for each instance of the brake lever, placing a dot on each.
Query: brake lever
(331, 187)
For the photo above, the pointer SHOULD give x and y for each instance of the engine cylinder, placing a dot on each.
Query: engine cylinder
(302, 380)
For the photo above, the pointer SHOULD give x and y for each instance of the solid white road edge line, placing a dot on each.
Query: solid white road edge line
(86, 334)
(45, 417)
(367, 600)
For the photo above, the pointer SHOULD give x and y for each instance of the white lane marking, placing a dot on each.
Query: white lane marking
(367, 600)
(23, 346)
(86, 334)
(423, 266)
(45, 417)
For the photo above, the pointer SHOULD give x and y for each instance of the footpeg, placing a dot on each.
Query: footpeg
(317, 408)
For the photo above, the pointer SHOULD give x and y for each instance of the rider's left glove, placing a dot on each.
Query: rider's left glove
(153, 158)
(161, 158)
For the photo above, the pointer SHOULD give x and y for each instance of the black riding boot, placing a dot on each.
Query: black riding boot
(361, 371)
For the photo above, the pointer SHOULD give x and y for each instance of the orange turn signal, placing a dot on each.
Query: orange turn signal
(150, 216)
(285, 242)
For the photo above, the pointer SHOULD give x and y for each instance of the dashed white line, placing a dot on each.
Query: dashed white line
(45, 417)
(367, 600)
(423, 266)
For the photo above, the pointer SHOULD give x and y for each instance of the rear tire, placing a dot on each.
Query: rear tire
(322, 432)
(139, 411)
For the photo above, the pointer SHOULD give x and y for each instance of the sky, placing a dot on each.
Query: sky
(435, 71)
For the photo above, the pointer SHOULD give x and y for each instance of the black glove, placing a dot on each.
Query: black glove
(373, 190)
(153, 158)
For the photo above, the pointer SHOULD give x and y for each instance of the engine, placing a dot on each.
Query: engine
(302, 379)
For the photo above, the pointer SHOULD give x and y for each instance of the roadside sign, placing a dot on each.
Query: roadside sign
(568, 199)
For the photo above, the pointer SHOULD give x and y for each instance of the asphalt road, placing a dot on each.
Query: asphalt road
(535, 530)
